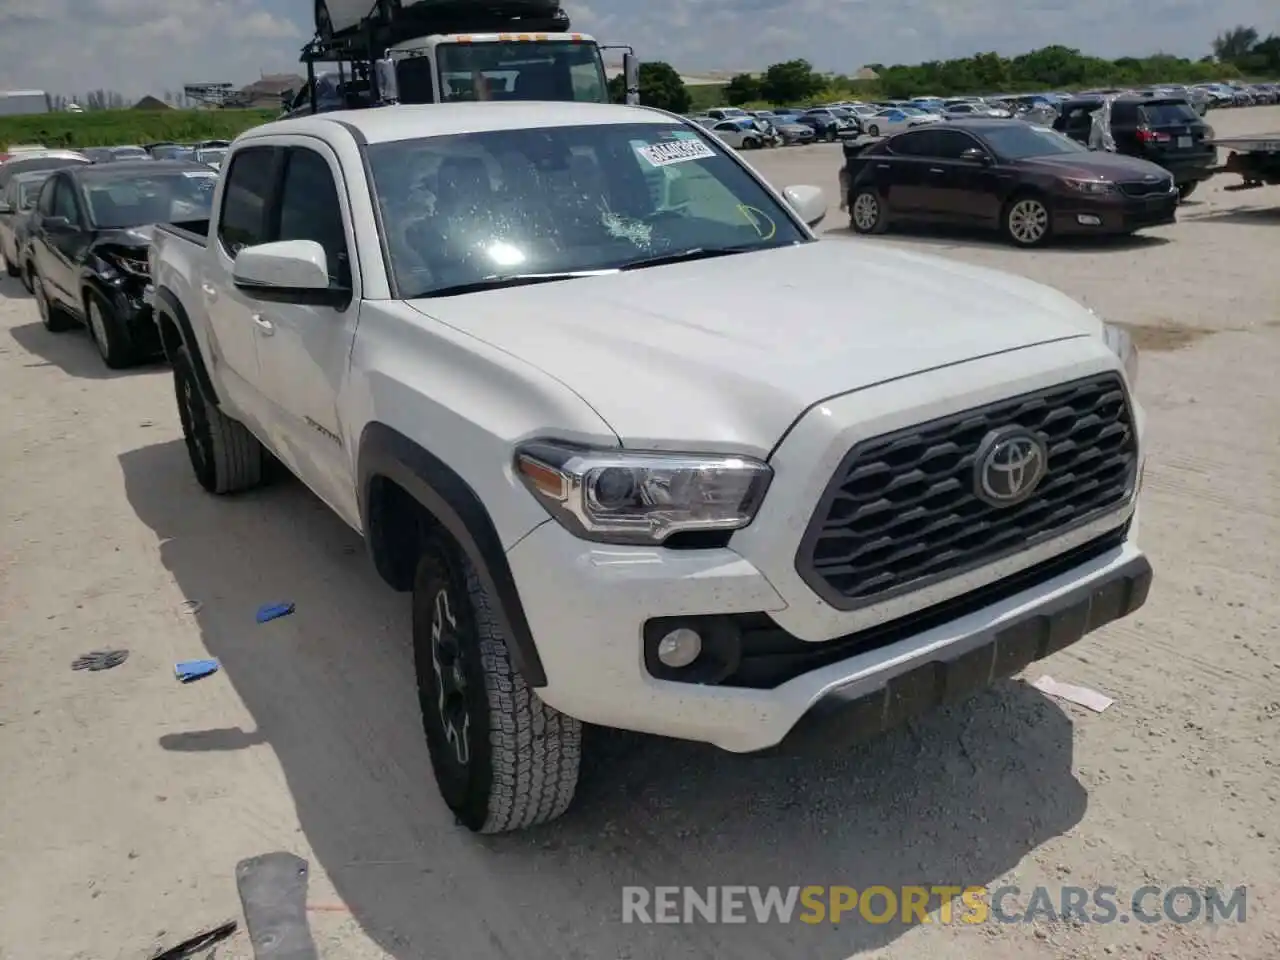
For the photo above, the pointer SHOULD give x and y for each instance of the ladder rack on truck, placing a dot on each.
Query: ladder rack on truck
(458, 51)
(1256, 159)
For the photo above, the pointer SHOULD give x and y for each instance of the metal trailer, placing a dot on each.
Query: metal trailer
(1256, 159)
(394, 58)
(15, 103)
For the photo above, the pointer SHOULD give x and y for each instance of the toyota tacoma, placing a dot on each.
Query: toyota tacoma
(511, 344)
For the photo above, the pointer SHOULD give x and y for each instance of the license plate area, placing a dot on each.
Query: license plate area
(1184, 143)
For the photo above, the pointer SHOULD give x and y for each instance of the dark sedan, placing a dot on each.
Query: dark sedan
(1027, 181)
(89, 239)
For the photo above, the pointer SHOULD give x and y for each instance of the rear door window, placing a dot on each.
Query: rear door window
(921, 143)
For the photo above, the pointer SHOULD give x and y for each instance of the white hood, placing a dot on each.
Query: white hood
(730, 351)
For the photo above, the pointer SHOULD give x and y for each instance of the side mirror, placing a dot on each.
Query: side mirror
(809, 202)
(976, 155)
(288, 271)
(57, 224)
(631, 73)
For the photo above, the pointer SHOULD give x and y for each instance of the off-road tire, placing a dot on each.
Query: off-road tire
(521, 757)
(114, 344)
(54, 317)
(225, 456)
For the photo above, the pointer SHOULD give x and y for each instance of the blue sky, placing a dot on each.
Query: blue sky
(144, 46)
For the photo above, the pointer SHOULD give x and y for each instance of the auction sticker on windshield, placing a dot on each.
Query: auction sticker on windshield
(675, 151)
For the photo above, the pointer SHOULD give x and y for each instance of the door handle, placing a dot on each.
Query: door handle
(882, 166)
(936, 170)
(265, 326)
(210, 290)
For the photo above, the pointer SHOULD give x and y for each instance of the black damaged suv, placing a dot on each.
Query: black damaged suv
(1165, 130)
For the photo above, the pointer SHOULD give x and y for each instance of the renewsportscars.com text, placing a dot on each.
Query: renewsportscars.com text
(932, 904)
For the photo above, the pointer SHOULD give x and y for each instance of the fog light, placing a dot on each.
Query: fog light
(679, 648)
(1088, 220)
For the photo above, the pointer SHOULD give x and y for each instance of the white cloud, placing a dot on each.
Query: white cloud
(144, 46)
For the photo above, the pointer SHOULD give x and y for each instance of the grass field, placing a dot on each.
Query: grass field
(105, 128)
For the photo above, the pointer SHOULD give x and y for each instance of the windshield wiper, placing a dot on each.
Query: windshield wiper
(507, 280)
(684, 256)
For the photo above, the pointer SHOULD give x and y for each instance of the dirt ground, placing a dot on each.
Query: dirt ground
(128, 798)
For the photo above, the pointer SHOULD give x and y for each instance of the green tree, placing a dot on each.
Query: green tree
(791, 81)
(660, 86)
(742, 89)
(1235, 44)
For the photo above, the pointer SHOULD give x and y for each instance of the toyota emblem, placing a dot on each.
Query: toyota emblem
(1010, 464)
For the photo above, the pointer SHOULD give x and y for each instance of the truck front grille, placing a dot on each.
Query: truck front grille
(902, 510)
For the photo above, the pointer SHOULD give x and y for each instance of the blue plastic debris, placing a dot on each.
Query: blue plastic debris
(189, 671)
(273, 610)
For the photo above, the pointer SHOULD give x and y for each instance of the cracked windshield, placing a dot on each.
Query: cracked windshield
(464, 209)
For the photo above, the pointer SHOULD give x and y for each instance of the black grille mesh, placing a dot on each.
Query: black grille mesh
(902, 510)
(1147, 188)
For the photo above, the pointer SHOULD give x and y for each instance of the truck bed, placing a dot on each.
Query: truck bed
(1270, 143)
(194, 231)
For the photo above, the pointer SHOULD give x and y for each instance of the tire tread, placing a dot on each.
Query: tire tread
(536, 750)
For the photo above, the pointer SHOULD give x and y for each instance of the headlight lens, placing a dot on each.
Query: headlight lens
(1090, 186)
(1121, 344)
(616, 496)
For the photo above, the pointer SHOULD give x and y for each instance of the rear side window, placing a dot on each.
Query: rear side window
(921, 143)
(245, 199)
(309, 210)
(1168, 113)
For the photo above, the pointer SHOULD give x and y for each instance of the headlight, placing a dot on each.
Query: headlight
(616, 496)
(1122, 346)
(1090, 186)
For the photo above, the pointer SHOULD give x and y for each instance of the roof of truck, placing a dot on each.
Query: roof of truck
(407, 122)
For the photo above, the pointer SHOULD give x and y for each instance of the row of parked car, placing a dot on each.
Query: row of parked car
(76, 230)
(845, 120)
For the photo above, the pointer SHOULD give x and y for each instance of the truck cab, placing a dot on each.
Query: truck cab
(497, 66)
(441, 52)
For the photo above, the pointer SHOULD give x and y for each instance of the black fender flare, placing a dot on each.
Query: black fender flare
(168, 304)
(387, 453)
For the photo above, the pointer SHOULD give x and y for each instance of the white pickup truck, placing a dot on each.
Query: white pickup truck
(597, 397)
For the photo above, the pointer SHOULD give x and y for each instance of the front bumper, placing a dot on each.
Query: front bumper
(862, 709)
(588, 604)
(132, 303)
(1113, 214)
